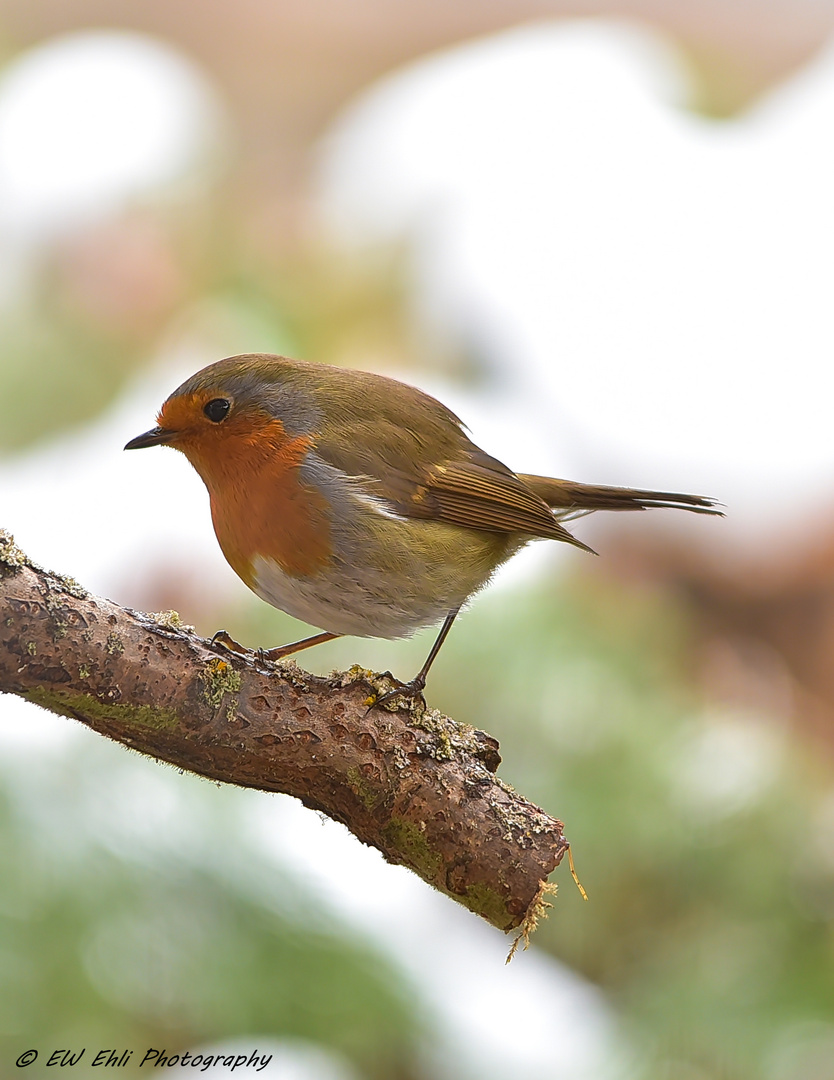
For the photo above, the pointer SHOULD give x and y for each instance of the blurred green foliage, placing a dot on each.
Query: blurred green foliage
(92, 313)
(171, 931)
(697, 830)
(53, 375)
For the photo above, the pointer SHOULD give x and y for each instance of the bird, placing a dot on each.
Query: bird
(358, 503)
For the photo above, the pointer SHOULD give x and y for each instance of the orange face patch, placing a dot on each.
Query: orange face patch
(184, 413)
(258, 504)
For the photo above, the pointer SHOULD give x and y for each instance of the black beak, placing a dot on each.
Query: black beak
(157, 436)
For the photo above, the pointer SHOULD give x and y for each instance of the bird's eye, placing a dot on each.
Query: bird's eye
(217, 409)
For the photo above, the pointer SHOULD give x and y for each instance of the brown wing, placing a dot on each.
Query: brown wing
(484, 496)
(418, 458)
(465, 487)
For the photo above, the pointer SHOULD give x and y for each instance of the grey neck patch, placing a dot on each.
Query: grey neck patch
(284, 394)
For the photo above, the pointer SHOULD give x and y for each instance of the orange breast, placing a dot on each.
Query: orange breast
(258, 504)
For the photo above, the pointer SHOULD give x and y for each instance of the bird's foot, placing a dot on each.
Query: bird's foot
(409, 692)
(227, 642)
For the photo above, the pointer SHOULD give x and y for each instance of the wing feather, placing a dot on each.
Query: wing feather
(466, 487)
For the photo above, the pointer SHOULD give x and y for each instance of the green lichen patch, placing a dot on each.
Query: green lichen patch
(219, 678)
(442, 730)
(70, 586)
(484, 901)
(353, 675)
(12, 558)
(290, 672)
(398, 698)
(114, 646)
(411, 847)
(171, 620)
(88, 708)
(451, 738)
(50, 591)
(518, 821)
(356, 673)
(381, 686)
(401, 758)
(362, 789)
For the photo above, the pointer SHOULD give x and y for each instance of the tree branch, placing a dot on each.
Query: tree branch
(411, 782)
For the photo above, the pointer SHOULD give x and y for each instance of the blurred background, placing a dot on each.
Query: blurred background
(602, 232)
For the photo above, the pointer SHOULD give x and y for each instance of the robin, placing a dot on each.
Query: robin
(357, 503)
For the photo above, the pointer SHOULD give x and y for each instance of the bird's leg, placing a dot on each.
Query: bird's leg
(296, 646)
(228, 642)
(418, 683)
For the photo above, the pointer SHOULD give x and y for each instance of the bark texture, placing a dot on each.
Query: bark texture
(409, 781)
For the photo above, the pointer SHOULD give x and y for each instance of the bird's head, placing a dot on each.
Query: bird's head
(238, 410)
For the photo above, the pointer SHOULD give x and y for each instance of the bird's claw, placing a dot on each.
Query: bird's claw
(410, 691)
(227, 642)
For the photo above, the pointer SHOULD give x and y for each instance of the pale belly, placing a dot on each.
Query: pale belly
(388, 590)
(340, 604)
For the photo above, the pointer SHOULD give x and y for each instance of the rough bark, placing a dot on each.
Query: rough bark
(413, 783)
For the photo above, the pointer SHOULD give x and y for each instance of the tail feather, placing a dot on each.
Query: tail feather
(572, 498)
